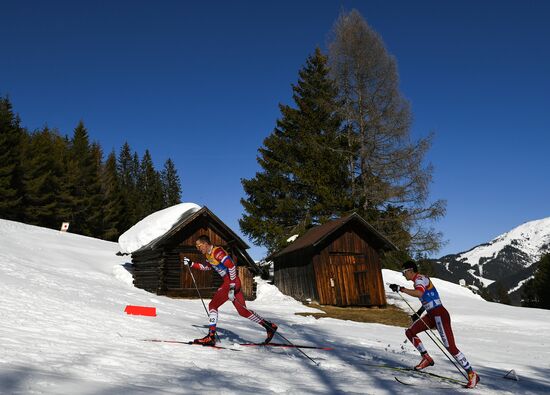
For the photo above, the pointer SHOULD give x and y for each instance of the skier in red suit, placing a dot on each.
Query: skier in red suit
(436, 317)
(218, 259)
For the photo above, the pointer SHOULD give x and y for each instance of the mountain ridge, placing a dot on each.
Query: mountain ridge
(502, 264)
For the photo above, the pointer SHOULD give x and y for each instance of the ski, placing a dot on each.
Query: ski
(426, 385)
(419, 372)
(190, 343)
(283, 345)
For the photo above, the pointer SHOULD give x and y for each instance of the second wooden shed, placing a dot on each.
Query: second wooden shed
(337, 263)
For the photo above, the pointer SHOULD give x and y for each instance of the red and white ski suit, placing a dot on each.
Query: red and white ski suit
(436, 316)
(219, 260)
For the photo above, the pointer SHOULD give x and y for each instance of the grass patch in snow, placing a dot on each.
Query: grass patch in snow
(389, 315)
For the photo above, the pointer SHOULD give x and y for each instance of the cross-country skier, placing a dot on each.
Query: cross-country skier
(218, 259)
(436, 317)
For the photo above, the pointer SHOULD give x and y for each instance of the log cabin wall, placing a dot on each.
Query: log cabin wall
(168, 276)
(294, 275)
(158, 268)
(147, 270)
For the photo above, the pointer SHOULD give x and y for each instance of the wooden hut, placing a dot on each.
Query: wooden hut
(157, 267)
(337, 263)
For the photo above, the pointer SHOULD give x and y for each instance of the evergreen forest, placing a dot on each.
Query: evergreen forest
(47, 179)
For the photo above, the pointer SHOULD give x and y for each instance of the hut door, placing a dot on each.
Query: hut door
(361, 281)
(349, 278)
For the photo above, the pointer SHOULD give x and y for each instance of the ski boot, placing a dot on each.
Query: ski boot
(208, 340)
(426, 361)
(473, 379)
(270, 328)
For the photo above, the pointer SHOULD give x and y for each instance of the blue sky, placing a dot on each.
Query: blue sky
(200, 82)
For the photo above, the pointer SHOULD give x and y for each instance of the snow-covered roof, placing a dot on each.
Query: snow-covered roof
(154, 226)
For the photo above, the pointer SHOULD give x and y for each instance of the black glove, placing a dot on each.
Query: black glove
(395, 287)
(186, 261)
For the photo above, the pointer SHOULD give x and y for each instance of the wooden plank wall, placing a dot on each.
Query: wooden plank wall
(323, 274)
(355, 268)
(294, 276)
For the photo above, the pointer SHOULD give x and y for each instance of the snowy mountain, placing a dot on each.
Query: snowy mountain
(507, 261)
(63, 330)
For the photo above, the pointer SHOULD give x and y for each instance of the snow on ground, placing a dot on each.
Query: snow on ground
(63, 331)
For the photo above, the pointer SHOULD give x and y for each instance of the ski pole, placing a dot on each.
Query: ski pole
(277, 333)
(434, 338)
(197, 288)
(198, 292)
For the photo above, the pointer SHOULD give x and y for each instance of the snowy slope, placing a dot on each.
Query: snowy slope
(63, 331)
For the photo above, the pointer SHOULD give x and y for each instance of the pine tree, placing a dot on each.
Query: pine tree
(541, 282)
(149, 186)
(425, 266)
(138, 206)
(94, 192)
(170, 184)
(112, 199)
(304, 180)
(502, 295)
(69, 195)
(11, 138)
(128, 181)
(389, 182)
(485, 294)
(528, 294)
(41, 179)
(81, 161)
(59, 154)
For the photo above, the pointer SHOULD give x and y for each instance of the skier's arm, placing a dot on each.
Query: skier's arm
(224, 258)
(417, 293)
(194, 265)
(200, 266)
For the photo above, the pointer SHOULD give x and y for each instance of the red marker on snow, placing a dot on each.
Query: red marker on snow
(141, 310)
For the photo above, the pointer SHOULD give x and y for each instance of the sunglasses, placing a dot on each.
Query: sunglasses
(405, 271)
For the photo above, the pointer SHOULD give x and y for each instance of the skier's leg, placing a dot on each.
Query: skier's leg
(219, 298)
(240, 305)
(411, 333)
(215, 303)
(417, 327)
(444, 327)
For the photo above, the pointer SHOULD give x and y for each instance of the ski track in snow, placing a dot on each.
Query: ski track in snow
(63, 331)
